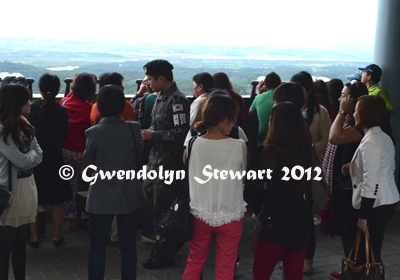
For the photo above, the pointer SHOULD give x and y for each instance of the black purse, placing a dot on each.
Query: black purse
(175, 223)
(5, 193)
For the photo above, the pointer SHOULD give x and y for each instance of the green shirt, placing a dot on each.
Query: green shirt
(377, 90)
(262, 105)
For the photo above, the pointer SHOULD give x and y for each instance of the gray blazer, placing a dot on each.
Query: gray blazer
(19, 160)
(110, 147)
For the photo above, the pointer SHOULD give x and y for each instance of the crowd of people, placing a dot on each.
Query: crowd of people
(347, 127)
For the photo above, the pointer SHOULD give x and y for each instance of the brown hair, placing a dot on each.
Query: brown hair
(288, 131)
(218, 107)
(357, 89)
(289, 92)
(12, 98)
(371, 110)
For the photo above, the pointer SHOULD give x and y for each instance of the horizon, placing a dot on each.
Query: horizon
(305, 24)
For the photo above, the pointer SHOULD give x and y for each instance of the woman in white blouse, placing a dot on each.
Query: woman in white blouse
(216, 199)
(372, 169)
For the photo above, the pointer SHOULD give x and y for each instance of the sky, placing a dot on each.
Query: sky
(306, 23)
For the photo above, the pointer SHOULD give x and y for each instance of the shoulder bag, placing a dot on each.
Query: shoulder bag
(175, 223)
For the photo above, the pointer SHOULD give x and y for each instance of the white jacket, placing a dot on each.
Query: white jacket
(372, 169)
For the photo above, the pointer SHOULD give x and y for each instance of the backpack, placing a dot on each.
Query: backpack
(139, 104)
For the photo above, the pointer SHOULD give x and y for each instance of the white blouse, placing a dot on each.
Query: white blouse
(216, 194)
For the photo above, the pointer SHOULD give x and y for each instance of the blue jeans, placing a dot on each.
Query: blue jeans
(99, 227)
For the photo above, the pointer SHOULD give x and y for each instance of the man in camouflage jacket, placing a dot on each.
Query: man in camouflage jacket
(169, 127)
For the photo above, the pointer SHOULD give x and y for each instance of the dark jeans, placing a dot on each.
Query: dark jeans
(13, 241)
(348, 216)
(99, 227)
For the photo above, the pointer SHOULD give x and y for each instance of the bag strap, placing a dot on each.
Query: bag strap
(355, 247)
(369, 246)
(64, 102)
(97, 120)
(191, 141)
(9, 176)
(134, 141)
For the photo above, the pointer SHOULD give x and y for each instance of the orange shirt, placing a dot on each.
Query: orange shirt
(128, 114)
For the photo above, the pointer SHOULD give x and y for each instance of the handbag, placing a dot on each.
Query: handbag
(369, 271)
(256, 231)
(5, 193)
(175, 223)
(320, 189)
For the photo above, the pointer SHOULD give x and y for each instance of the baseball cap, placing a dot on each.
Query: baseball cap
(355, 76)
(374, 69)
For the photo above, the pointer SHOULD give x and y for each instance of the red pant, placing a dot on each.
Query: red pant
(227, 241)
(266, 256)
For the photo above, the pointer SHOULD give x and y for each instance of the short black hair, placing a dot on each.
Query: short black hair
(113, 78)
(110, 101)
(169, 76)
(205, 79)
(272, 80)
(84, 85)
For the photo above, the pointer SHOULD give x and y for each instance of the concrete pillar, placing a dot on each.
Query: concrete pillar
(387, 56)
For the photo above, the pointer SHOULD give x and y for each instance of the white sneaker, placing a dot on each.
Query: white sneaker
(317, 222)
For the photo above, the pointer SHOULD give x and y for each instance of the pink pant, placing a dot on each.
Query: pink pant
(227, 241)
(267, 254)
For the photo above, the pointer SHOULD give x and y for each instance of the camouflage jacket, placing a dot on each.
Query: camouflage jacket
(170, 124)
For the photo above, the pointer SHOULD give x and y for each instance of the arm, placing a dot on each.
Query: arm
(90, 152)
(260, 87)
(337, 134)
(372, 161)
(253, 109)
(23, 161)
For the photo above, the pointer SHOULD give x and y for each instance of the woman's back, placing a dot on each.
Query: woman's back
(217, 201)
(52, 128)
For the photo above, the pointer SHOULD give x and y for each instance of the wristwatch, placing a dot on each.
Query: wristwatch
(342, 112)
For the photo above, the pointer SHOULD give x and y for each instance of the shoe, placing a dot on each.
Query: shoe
(307, 270)
(34, 244)
(152, 263)
(57, 243)
(149, 239)
(254, 217)
(308, 266)
(317, 222)
(237, 265)
(335, 275)
(73, 226)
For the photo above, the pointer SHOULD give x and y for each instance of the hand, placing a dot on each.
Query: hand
(260, 87)
(346, 104)
(345, 169)
(265, 186)
(146, 134)
(143, 88)
(362, 224)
